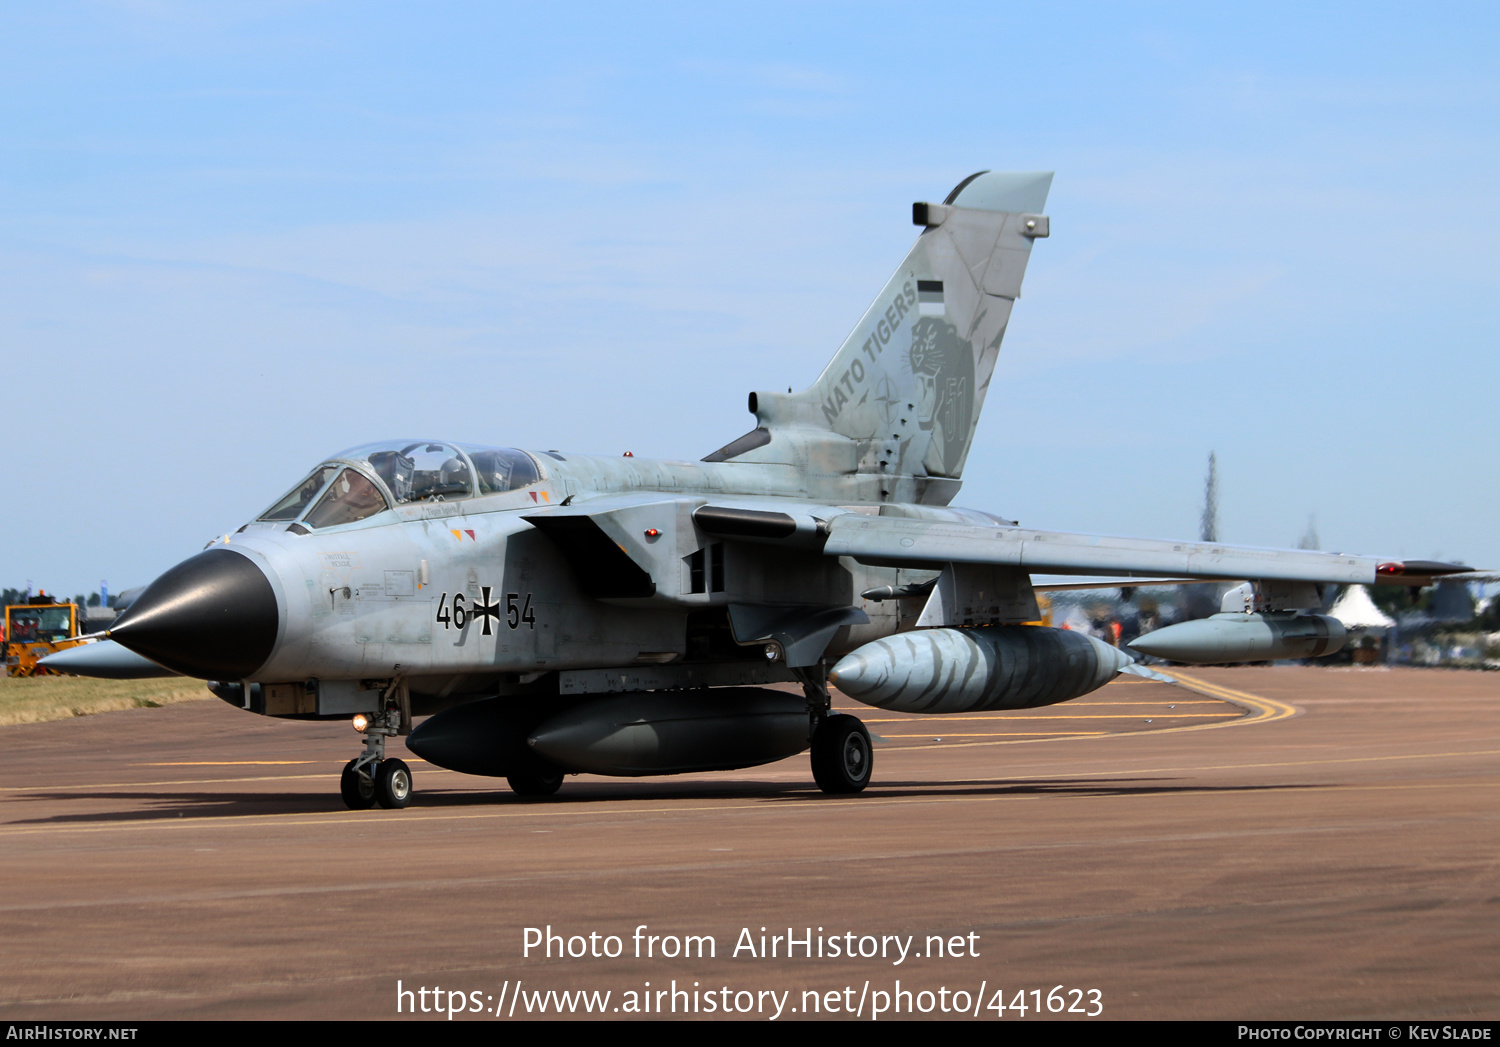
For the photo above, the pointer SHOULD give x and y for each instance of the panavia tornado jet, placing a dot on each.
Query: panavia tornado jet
(555, 613)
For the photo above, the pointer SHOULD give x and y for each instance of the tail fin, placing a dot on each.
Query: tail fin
(908, 383)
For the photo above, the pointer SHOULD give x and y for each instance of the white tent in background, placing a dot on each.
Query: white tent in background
(1357, 611)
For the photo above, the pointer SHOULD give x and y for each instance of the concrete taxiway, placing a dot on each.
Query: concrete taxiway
(1323, 847)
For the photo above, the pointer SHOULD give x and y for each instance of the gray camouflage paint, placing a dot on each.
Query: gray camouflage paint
(906, 388)
(865, 459)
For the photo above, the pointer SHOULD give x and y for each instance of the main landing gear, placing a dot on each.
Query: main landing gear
(842, 757)
(370, 778)
(536, 786)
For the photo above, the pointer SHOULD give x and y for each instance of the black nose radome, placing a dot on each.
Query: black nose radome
(213, 616)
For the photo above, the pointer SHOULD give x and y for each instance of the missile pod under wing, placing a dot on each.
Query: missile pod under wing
(1244, 638)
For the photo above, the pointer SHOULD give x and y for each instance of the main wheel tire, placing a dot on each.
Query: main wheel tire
(842, 757)
(393, 784)
(357, 789)
(536, 784)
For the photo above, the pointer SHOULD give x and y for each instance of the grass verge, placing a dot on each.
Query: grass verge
(37, 699)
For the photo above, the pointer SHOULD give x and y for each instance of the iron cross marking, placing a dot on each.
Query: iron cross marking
(490, 612)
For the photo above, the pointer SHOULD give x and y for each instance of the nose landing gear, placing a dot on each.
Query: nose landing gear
(356, 784)
(370, 778)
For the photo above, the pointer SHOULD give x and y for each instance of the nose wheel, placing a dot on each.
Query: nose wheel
(366, 782)
(370, 778)
(357, 786)
(393, 784)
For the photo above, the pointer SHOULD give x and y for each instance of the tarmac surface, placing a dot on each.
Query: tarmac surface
(1325, 847)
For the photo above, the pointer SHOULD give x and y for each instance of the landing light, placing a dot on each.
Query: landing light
(361, 722)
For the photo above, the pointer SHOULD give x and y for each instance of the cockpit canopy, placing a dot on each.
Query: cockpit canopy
(363, 481)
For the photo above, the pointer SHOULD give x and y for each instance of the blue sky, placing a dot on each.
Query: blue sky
(235, 238)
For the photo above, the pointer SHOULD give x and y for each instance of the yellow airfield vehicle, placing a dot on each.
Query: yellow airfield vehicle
(36, 629)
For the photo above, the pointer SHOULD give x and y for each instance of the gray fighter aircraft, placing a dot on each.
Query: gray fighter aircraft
(560, 613)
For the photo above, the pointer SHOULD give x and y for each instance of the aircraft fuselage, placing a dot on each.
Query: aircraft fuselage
(469, 597)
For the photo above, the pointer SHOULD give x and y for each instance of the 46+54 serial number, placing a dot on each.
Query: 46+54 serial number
(482, 609)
